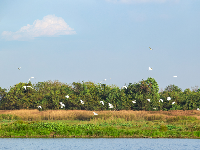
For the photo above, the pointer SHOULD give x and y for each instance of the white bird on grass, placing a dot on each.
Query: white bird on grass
(19, 68)
(160, 100)
(110, 105)
(102, 102)
(150, 68)
(150, 48)
(95, 114)
(148, 100)
(82, 102)
(67, 96)
(134, 101)
(173, 103)
(168, 98)
(40, 107)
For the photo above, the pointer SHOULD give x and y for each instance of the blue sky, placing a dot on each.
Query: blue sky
(93, 40)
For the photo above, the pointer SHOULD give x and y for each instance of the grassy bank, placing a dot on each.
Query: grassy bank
(139, 124)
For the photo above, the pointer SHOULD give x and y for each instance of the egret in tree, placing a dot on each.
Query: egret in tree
(67, 96)
(150, 48)
(26, 87)
(95, 114)
(102, 102)
(82, 102)
(150, 68)
(160, 100)
(124, 87)
(19, 68)
(168, 98)
(134, 101)
(148, 100)
(40, 107)
(62, 105)
(110, 105)
(173, 103)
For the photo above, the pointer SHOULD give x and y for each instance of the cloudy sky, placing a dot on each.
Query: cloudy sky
(93, 40)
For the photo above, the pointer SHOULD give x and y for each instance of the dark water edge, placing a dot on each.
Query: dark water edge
(99, 144)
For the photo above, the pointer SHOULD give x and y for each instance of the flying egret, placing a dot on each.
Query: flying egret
(197, 108)
(103, 80)
(124, 87)
(110, 105)
(173, 103)
(174, 76)
(30, 78)
(134, 101)
(102, 102)
(160, 100)
(148, 100)
(95, 113)
(150, 68)
(67, 96)
(82, 102)
(150, 48)
(40, 107)
(168, 98)
(19, 68)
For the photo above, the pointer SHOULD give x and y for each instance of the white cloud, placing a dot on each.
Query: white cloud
(141, 1)
(49, 26)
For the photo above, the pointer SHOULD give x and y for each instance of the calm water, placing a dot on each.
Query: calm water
(98, 144)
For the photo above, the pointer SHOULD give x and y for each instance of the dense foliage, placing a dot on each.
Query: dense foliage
(49, 94)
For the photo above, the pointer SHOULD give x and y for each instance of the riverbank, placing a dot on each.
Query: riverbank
(108, 124)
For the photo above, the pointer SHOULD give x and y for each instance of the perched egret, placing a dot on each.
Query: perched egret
(173, 103)
(124, 87)
(67, 96)
(174, 76)
(95, 113)
(26, 87)
(19, 68)
(168, 98)
(150, 48)
(150, 68)
(154, 108)
(197, 108)
(82, 102)
(110, 105)
(148, 100)
(160, 100)
(102, 102)
(40, 107)
(134, 101)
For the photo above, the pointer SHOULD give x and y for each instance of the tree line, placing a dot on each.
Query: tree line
(143, 95)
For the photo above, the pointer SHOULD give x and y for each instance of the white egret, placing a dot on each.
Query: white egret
(168, 98)
(110, 105)
(148, 100)
(197, 108)
(82, 102)
(134, 101)
(160, 100)
(62, 105)
(174, 76)
(150, 48)
(124, 87)
(40, 107)
(19, 68)
(26, 87)
(154, 108)
(173, 103)
(67, 96)
(102, 102)
(150, 68)
(30, 78)
(95, 113)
